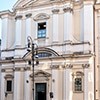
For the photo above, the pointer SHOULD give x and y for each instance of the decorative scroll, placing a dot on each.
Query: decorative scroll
(28, 15)
(68, 9)
(18, 17)
(69, 66)
(55, 11)
(54, 66)
(85, 65)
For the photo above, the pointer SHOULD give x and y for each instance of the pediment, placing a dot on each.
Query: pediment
(41, 73)
(33, 3)
(41, 16)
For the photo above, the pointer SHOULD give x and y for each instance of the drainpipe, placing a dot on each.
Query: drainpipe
(94, 52)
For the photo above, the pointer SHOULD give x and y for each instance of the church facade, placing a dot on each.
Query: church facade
(65, 35)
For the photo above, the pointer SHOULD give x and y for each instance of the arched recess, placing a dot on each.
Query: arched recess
(42, 52)
(49, 51)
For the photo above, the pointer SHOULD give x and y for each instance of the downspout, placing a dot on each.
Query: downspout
(94, 52)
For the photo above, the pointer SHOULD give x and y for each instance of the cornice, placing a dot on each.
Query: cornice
(6, 13)
(17, 69)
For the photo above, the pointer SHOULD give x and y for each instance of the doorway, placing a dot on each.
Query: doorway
(40, 92)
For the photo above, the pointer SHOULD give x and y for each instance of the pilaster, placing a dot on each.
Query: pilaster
(18, 31)
(7, 32)
(68, 26)
(27, 84)
(55, 33)
(28, 25)
(68, 82)
(2, 90)
(18, 84)
(88, 27)
(86, 82)
(55, 82)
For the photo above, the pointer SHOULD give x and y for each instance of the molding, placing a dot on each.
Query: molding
(55, 11)
(28, 15)
(85, 65)
(68, 9)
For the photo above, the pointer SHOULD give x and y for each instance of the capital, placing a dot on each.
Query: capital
(55, 11)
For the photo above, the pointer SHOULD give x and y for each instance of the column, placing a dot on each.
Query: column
(28, 25)
(86, 88)
(18, 31)
(27, 85)
(2, 89)
(55, 26)
(68, 83)
(18, 95)
(55, 82)
(68, 24)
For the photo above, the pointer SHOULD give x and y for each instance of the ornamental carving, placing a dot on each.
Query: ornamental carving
(85, 65)
(27, 68)
(9, 76)
(54, 66)
(18, 17)
(28, 15)
(68, 9)
(17, 69)
(55, 11)
(41, 16)
(69, 66)
(40, 73)
(3, 70)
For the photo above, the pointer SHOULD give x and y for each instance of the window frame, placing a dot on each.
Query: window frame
(9, 78)
(77, 87)
(78, 75)
(7, 84)
(41, 35)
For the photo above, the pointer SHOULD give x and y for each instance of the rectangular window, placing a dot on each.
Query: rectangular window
(42, 30)
(9, 86)
(78, 85)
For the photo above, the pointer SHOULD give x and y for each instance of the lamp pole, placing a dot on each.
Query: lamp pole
(31, 48)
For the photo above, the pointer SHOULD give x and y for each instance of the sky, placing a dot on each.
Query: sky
(5, 5)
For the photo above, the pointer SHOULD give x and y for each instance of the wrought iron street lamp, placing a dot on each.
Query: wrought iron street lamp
(34, 51)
